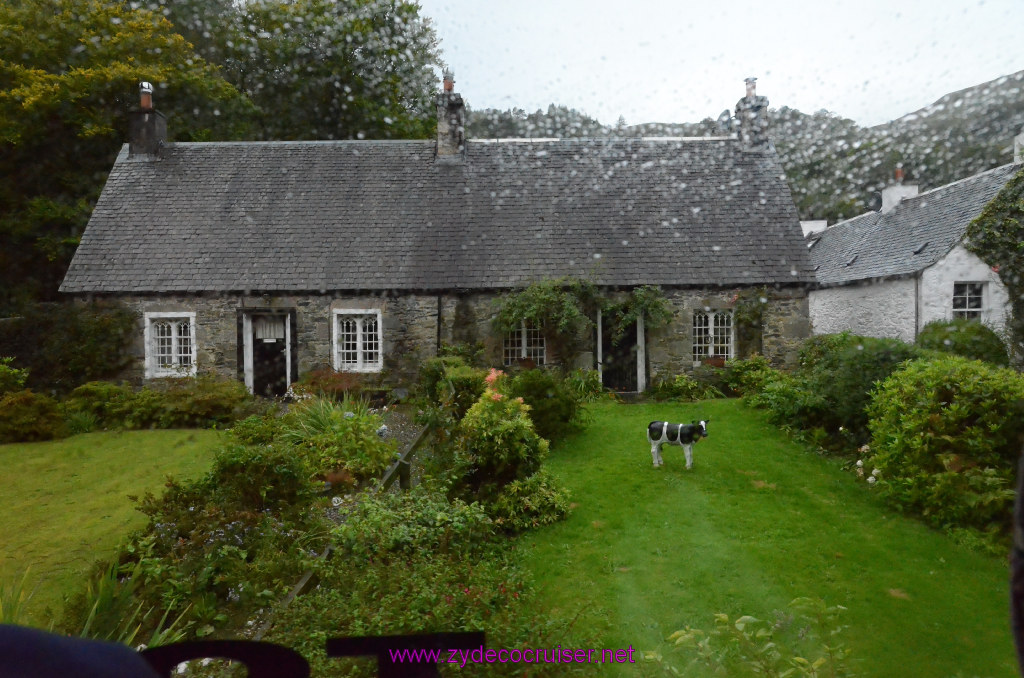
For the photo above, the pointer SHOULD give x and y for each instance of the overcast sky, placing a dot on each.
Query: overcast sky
(682, 61)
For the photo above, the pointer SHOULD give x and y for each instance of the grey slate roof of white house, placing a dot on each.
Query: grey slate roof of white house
(909, 238)
(391, 215)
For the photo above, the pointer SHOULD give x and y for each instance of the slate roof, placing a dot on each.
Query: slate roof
(387, 215)
(909, 238)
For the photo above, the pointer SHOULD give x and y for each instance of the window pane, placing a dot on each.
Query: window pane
(184, 352)
(534, 345)
(371, 341)
(164, 348)
(512, 347)
(701, 335)
(722, 346)
(348, 341)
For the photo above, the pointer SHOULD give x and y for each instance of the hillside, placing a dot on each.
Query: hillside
(835, 167)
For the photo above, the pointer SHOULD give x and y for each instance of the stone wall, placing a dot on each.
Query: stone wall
(413, 325)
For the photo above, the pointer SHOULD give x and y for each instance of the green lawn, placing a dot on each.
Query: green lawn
(64, 503)
(759, 521)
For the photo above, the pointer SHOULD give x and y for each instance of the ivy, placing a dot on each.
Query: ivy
(564, 307)
(997, 236)
(647, 302)
(559, 306)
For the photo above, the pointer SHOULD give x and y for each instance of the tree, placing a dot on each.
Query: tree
(997, 236)
(69, 74)
(322, 69)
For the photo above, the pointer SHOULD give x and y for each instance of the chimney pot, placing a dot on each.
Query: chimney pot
(752, 116)
(146, 96)
(147, 128)
(451, 120)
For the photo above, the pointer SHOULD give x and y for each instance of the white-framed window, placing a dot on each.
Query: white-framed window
(358, 340)
(525, 343)
(968, 300)
(712, 335)
(170, 338)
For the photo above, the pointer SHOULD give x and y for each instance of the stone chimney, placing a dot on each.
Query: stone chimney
(752, 116)
(896, 192)
(451, 119)
(147, 130)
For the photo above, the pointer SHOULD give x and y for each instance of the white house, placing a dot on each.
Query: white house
(888, 273)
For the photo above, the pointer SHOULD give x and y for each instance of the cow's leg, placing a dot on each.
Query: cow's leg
(688, 449)
(656, 454)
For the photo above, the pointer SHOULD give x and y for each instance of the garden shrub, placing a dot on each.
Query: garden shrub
(28, 417)
(584, 385)
(164, 403)
(684, 388)
(257, 430)
(471, 354)
(338, 436)
(824, 348)
(330, 383)
(965, 337)
(746, 376)
(199, 401)
(218, 547)
(65, 345)
(553, 410)
(846, 378)
(432, 372)
(109, 403)
(497, 444)
(829, 394)
(790, 402)
(261, 478)
(397, 525)
(534, 501)
(945, 436)
(11, 378)
(416, 563)
(460, 387)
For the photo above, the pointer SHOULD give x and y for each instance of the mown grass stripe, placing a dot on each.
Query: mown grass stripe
(759, 521)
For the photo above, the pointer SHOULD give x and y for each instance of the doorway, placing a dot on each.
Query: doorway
(618, 364)
(267, 345)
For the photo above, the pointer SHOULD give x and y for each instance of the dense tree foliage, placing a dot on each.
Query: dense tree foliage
(321, 69)
(69, 74)
(997, 236)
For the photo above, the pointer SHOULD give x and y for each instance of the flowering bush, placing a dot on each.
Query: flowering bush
(496, 444)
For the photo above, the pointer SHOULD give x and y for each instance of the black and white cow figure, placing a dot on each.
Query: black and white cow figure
(684, 435)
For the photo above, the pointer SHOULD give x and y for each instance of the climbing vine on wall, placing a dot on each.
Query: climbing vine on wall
(647, 302)
(997, 236)
(561, 306)
(564, 308)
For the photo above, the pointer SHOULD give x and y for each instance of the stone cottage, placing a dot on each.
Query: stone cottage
(888, 273)
(263, 260)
